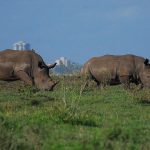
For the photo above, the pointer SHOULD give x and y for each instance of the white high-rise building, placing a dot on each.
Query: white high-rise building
(21, 45)
(63, 61)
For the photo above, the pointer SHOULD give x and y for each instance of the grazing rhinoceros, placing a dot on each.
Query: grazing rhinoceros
(27, 66)
(118, 69)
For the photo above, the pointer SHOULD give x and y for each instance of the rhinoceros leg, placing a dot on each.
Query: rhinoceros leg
(125, 81)
(24, 77)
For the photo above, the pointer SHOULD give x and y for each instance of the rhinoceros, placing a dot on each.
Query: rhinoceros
(27, 66)
(116, 69)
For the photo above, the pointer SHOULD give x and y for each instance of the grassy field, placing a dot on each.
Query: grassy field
(73, 117)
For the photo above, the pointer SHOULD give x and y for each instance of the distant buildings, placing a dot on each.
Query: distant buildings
(63, 61)
(65, 66)
(21, 45)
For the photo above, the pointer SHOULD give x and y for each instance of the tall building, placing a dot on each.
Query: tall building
(21, 45)
(63, 61)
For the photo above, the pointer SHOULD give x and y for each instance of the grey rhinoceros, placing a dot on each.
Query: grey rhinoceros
(116, 69)
(27, 66)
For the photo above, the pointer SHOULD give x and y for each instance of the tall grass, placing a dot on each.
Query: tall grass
(74, 116)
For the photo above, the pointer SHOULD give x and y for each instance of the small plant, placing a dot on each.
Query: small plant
(27, 91)
(141, 96)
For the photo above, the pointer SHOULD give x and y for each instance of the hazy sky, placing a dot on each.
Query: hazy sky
(77, 29)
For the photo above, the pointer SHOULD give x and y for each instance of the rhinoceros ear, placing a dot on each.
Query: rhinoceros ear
(146, 62)
(40, 64)
(51, 65)
(33, 50)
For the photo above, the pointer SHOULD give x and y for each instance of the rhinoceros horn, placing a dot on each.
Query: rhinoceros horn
(51, 65)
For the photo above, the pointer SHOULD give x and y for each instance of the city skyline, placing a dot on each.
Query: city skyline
(78, 29)
(21, 45)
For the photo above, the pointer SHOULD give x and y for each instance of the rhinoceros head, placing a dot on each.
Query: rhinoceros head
(40, 74)
(145, 74)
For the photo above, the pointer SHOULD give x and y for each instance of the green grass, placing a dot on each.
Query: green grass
(73, 117)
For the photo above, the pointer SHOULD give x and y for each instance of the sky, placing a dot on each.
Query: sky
(77, 29)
